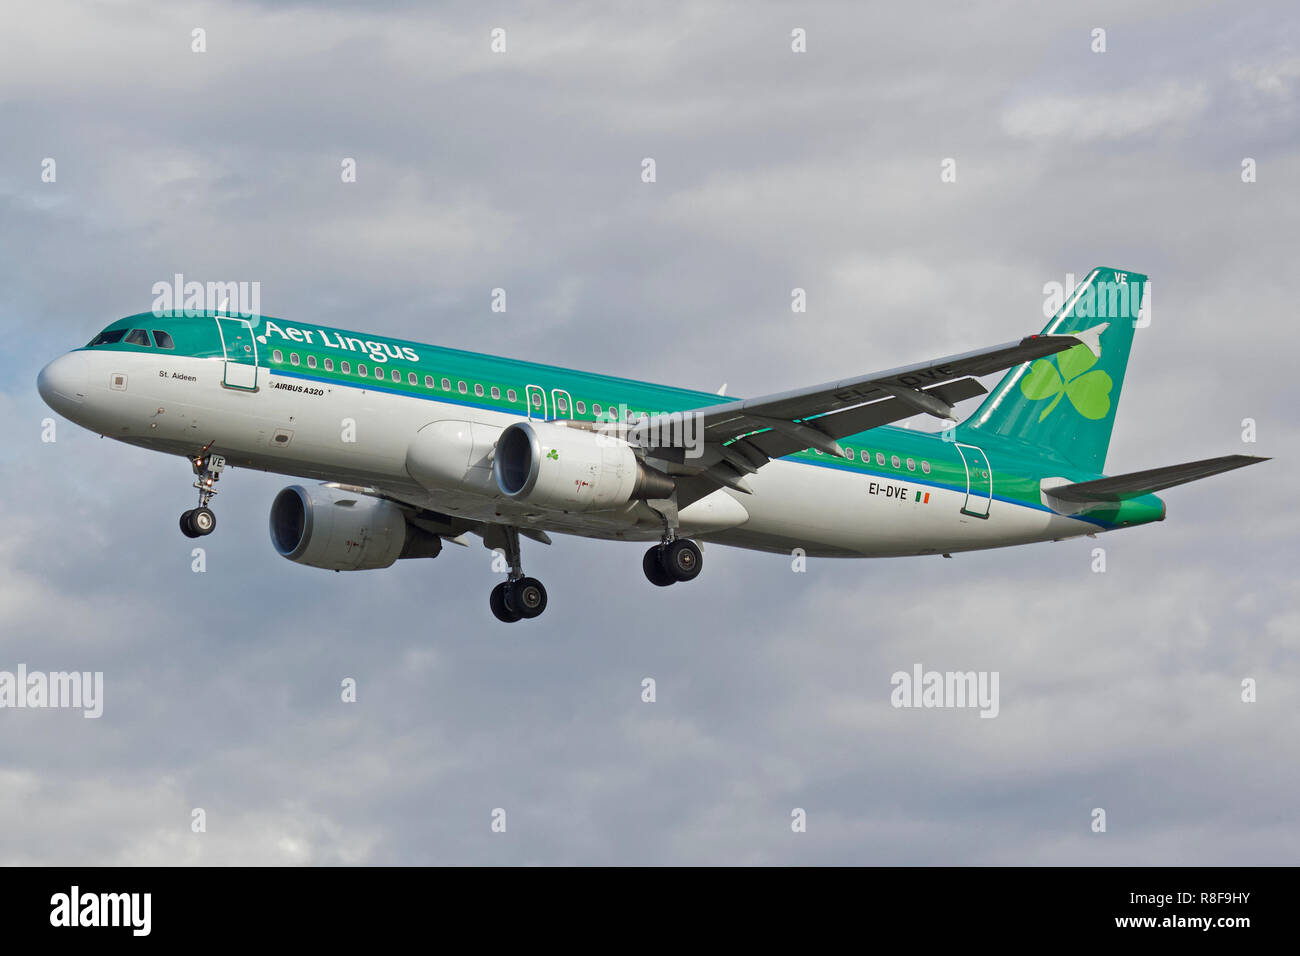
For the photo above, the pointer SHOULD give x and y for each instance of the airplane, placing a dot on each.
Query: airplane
(416, 445)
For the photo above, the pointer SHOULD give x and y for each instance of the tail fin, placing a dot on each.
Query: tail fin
(1066, 402)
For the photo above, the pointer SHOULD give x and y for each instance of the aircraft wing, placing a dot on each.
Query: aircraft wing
(742, 436)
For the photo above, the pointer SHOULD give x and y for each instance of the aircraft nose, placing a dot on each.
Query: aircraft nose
(63, 383)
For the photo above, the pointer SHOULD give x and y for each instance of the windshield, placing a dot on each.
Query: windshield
(108, 337)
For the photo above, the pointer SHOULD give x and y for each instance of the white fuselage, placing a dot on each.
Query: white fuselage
(360, 436)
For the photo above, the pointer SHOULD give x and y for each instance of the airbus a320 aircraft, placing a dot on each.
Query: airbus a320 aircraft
(417, 445)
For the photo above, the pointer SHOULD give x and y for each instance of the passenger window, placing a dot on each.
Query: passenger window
(866, 457)
(397, 376)
(880, 459)
(428, 381)
(911, 465)
(582, 408)
(925, 467)
(361, 370)
(138, 337)
(345, 368)
(537, 400)
(460, 387)
(329, 365)
(277, 356)
(512, 396)
(496, 392)
(108, 338)
(293, 358)
(595, 409)
(478, 390)
(163, 340)
(412, 378)
(848, 453)
(894, 461)
(311, 361)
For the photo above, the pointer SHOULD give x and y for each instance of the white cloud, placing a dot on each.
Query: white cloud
(1108, 116)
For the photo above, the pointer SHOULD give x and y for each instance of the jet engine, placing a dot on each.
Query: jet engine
(572, 469)
(338, 529)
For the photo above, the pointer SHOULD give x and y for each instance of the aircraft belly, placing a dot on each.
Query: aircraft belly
(831, 512)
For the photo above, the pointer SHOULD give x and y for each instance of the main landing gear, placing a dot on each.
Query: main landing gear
(675, 560)
(199, 522)
(518, 596)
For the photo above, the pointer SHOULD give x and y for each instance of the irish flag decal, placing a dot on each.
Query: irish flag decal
(923, 497)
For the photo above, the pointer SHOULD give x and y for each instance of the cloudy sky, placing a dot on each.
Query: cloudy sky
(775, 170)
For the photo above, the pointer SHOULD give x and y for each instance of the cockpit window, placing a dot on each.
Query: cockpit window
(163, 339)
(111, 337)
(138, 337)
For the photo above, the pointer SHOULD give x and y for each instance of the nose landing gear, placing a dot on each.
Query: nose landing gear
(199, 522)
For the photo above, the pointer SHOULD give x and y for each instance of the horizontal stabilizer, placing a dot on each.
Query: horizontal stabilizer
(1122, 487)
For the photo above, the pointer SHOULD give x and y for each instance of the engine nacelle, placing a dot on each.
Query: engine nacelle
(341, 530)
(454, 456)
(571, 469)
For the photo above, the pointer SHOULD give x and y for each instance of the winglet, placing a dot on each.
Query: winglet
(1092, 337)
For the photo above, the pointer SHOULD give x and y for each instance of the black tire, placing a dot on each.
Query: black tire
(526, 597)
(497, 601)
(655, 572)
(187, 529)
(203, 521)
(682, 560)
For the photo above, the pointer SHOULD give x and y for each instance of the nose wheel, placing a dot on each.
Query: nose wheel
(200, 522)
(678, 560)
(518, 597)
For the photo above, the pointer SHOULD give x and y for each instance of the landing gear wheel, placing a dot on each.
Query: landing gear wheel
(682, 560)
(497, 601)
(655, 572)
(200, 521)
(203, 521)
(526, 597)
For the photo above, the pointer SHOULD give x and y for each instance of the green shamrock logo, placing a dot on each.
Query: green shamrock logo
(553, 454)
(1089, 392)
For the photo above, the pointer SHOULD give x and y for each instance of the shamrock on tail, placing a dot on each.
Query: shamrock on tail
(1089, 392)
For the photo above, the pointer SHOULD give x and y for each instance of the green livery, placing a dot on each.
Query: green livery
(1063, 406)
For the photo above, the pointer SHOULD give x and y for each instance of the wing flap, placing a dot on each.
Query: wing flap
(860, 418)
